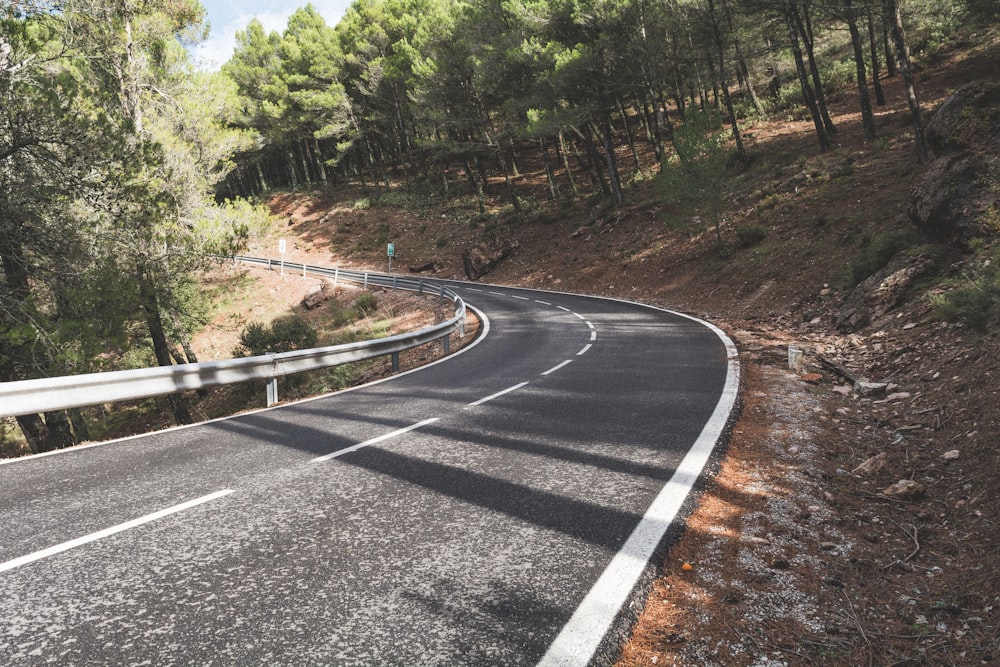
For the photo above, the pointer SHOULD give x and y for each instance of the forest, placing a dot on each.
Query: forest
(125, 170)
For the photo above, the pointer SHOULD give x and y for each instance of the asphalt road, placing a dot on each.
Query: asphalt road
(496, 508)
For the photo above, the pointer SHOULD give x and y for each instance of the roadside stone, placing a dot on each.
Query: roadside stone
(864, 389)
(951, 455)
(872, 465)
(905, 489)
(812, 378)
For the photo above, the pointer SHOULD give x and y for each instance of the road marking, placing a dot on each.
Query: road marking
(497, 293)
(584, 350)
(590, 324)
(593, 335)
(473, 289)
(564, 308)
(496, 395)
(580, 638)
(544, 303)
(522, 298)
(108, 532)
(557, 367)
(366, 443)
(580, 316)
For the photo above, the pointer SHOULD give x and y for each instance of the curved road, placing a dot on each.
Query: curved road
(496, 508)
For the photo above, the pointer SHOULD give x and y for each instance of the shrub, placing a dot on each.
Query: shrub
(975, 301)
(366, 304)
(284, 335)
(750, 235)
(876, 255)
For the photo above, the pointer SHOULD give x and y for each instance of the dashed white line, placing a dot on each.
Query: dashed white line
(564, 308)
(593, 335)
(108, 532)
(544, 303)
(366, 443)
(584, 350)
(497, 293)
(557, 367)
(580, 316)
(590, 324)
(522, 298)
(497, 395)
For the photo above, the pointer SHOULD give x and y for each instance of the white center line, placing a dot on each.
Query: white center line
(544, 303)
(497, 395)
(473, 289)
(584, 350)
(557, 367)
(590, 324)
(564, 308)
(497, 293)
(593, 335)
(580, 316)
(108, 532)
(522, 298)
(366, 443)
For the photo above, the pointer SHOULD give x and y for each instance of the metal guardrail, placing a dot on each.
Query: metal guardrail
(74, 391)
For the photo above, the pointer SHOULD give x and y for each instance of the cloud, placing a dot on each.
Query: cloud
(215, 51)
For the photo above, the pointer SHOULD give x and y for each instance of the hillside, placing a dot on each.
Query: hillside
(805, 548)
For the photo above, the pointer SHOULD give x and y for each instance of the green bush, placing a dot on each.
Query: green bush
(284, 335)
(366, 304)
(876, 254)
(750, 235)
(975, 301)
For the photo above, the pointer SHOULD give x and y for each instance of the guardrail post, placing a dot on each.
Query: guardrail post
(366, 280)
(420, 290)
(303, 270)
(336, 274)
(447, 344)
(395, 362)
(272, 391)
(268, 263)
(393, 282)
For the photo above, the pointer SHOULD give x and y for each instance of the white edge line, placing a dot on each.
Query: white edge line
(557, 367)
(366, 443)
(496, 395)
(108, 532)
(485, 324)
(582, 635)
(584, 350)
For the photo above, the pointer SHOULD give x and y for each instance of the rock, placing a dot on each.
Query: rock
(812, 378)
(880, 293)
(951, 455)
(872, 465)
(486, 256)
(863, 388)
(318, 295)
(899, 396)
(951, 198)
(905, 489)
(429, 266)
(843, 389)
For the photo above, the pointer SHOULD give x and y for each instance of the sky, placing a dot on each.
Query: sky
(228, 16)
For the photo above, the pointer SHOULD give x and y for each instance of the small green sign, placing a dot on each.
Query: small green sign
(391, 250)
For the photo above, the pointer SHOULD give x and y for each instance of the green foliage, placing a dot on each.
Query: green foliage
(974, 299)
(366, 304)
(283, 335)
(876, 253)
(750, 235)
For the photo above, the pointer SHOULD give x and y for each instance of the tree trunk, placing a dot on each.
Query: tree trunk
(805, 29)
(890, 62)
(800, 67)
(553, 186)
(569, 171)
(873, 45)
(741, 152)
(630, 137)
(903, 58)
(867, 118)
(154, 321)
(609, 154)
